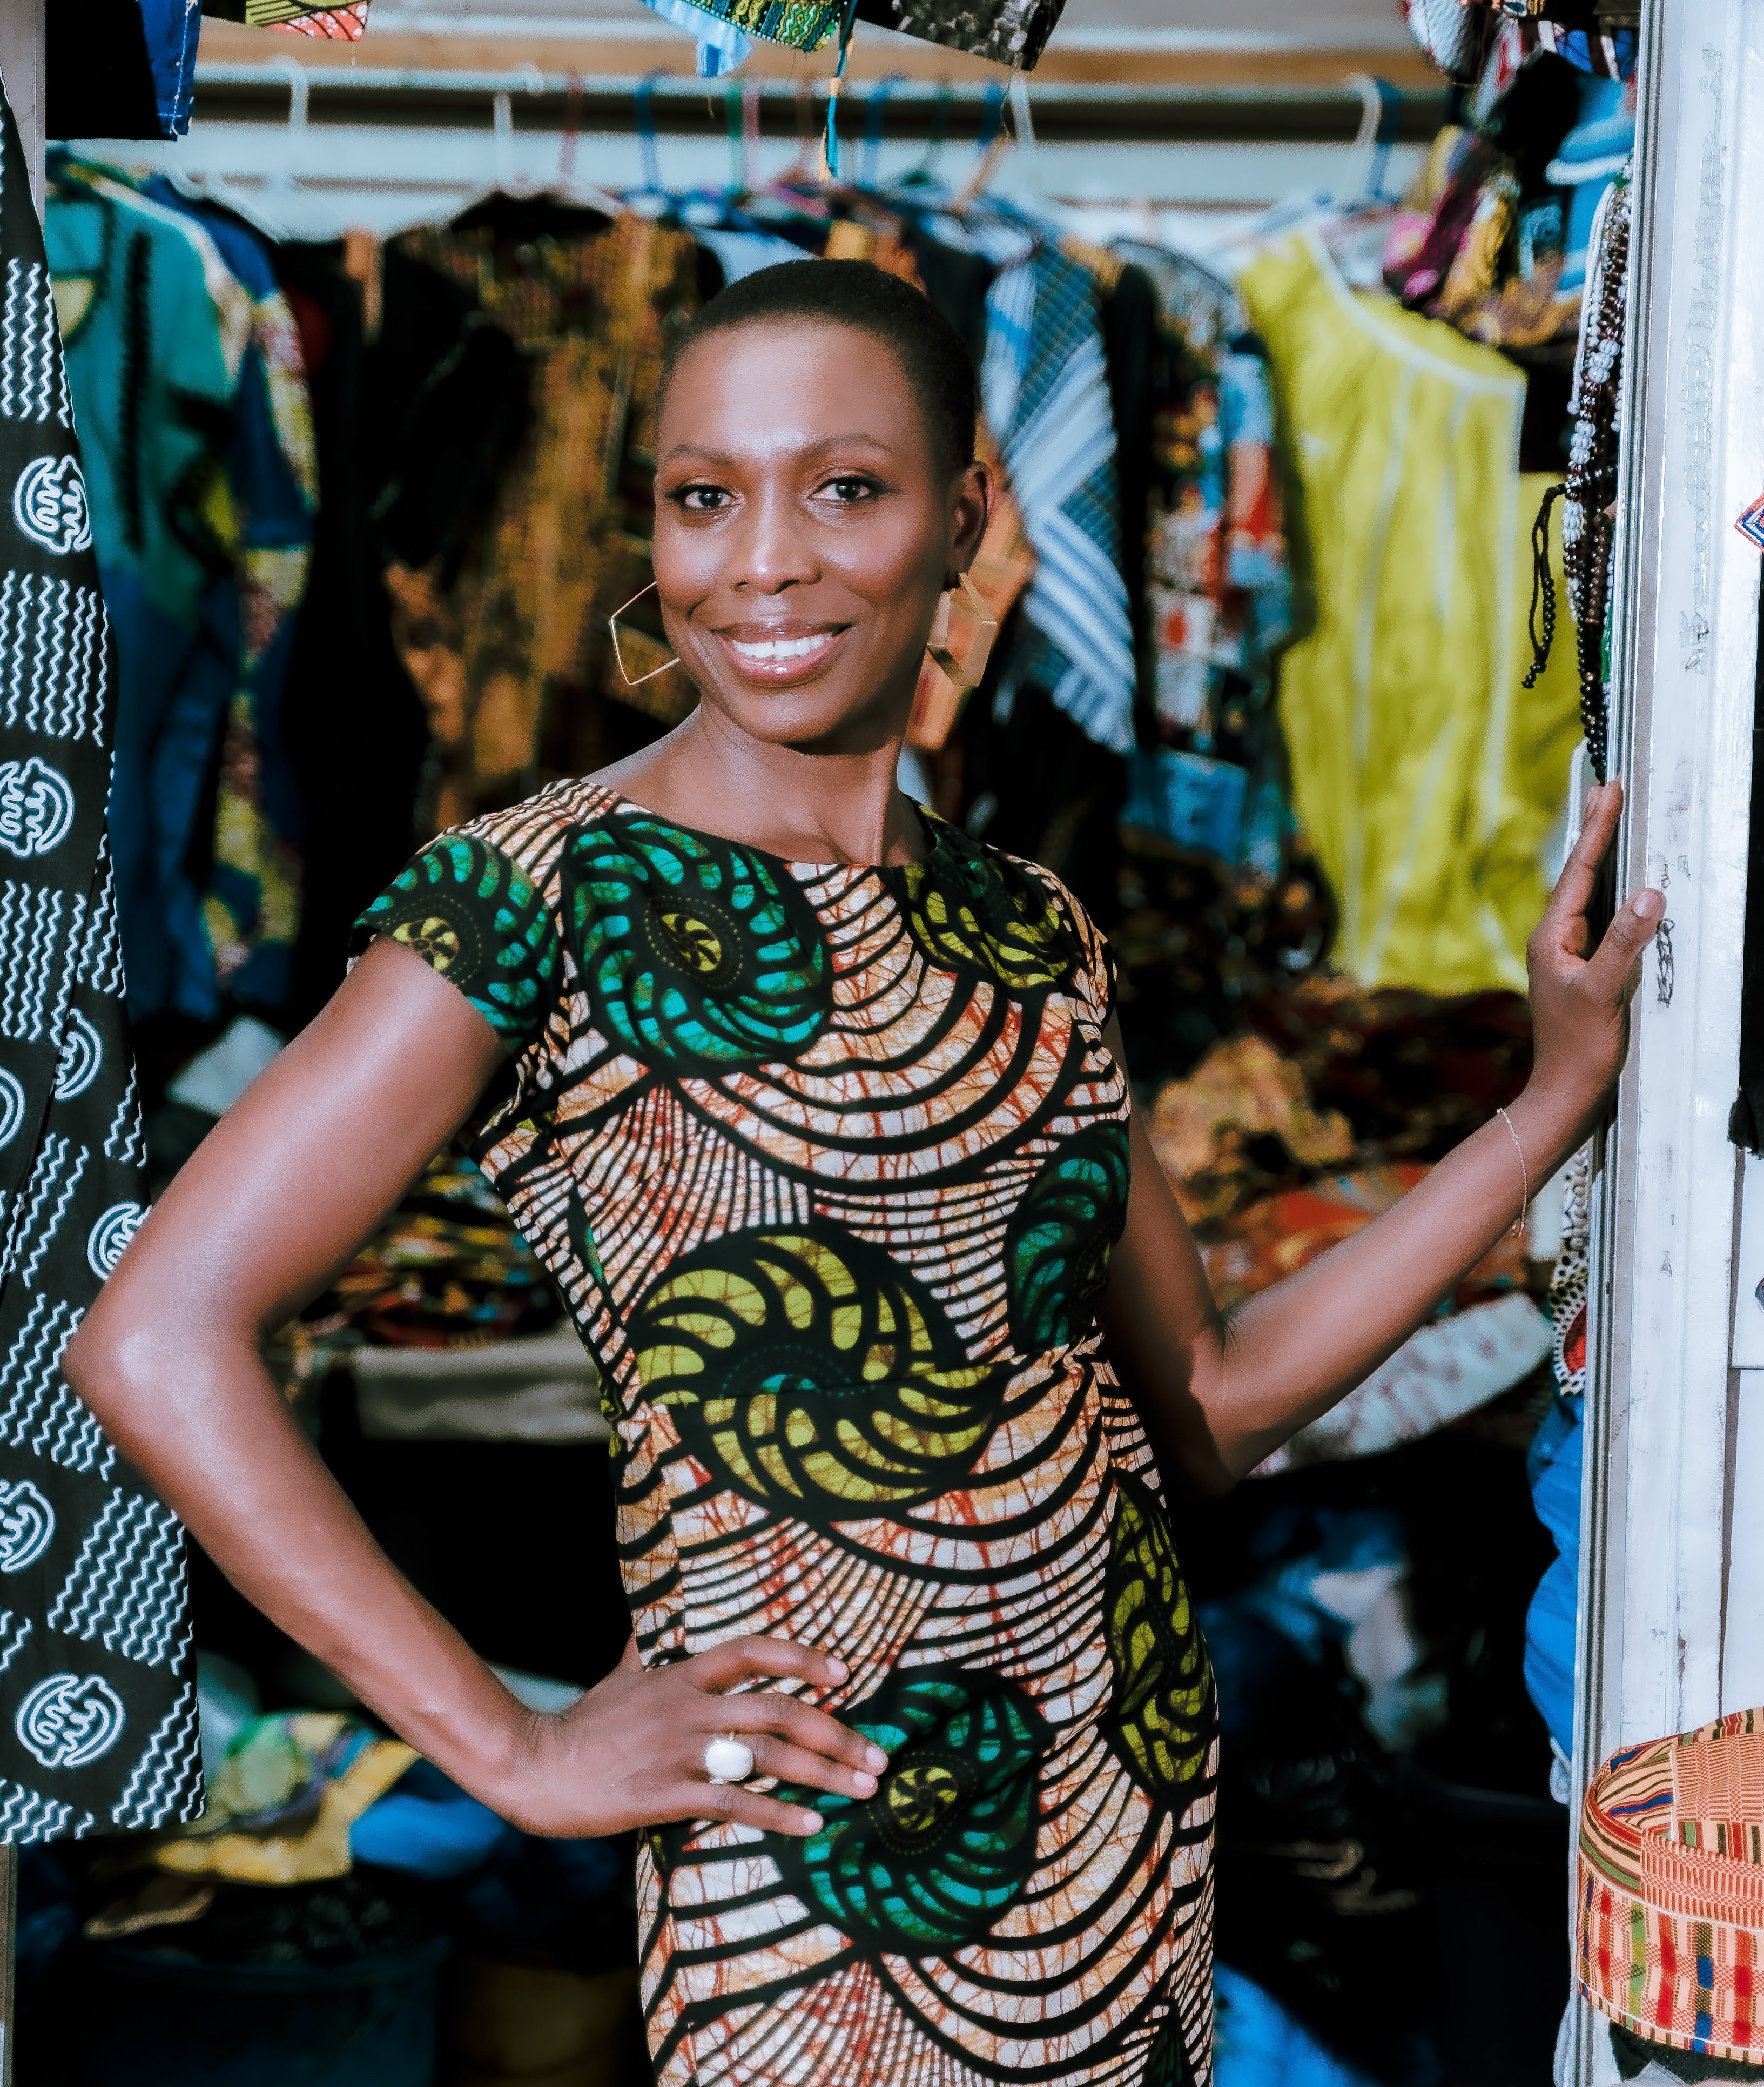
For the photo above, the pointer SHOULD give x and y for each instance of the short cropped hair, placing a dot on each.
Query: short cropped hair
(932, 355)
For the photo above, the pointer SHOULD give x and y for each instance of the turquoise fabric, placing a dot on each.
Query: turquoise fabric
(154, 327)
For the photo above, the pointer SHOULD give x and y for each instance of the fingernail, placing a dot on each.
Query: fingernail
(1646, 904)
(875, 1758)
(836, 1668)
(811, 1821)
(865, 1784)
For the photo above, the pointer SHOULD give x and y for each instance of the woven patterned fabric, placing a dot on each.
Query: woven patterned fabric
(1670, 1889)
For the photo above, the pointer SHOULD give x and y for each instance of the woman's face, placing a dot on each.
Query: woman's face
(804, 530)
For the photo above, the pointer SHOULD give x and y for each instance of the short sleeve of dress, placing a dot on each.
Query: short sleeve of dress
(1094, 970)
(473, 914)
(1103, 971)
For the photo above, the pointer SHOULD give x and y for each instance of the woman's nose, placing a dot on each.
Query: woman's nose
(773, 546)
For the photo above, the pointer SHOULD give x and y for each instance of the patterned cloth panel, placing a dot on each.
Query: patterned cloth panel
(97, 1678)
(1670, 1894)
(344, 24)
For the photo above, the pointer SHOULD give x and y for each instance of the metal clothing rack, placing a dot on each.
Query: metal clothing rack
(1060, 111)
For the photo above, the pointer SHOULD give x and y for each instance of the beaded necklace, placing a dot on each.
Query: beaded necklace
(1589, 518)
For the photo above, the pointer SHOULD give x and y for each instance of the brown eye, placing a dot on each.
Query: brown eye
(848, 490)
(701, 499)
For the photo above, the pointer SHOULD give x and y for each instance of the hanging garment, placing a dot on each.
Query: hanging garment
(343, 24)
(1554, 1468)
(1486, 236)
(1044, 391)
(353, 723)
(511, 646)
(157, 328)
(827, 1163)
(1424, 776)
(1217, 596)
(119, 68)
(251, 906)
(97, 1688)
(1012, 32)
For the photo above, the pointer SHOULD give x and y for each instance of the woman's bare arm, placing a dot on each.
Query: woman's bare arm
(1219, 1394)
(274, 1202)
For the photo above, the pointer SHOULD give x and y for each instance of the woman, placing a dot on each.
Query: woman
(817, 1111)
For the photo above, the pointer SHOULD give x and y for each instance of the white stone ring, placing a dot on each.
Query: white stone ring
(728, 1760)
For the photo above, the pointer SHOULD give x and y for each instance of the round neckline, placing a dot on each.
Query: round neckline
(934, 829)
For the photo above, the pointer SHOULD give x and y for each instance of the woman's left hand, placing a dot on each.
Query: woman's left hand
(1580, 1004)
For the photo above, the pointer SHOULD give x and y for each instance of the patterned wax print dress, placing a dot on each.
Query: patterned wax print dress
(828, 1162)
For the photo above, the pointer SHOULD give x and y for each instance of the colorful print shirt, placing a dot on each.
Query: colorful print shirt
(828, 1162)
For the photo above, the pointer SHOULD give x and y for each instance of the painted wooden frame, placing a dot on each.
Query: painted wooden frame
(1666, 1639)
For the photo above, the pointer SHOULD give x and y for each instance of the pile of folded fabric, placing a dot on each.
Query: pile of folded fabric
(448, 1269)
(1278, 1154)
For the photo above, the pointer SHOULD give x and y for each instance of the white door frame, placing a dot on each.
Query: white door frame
(1655, 1654)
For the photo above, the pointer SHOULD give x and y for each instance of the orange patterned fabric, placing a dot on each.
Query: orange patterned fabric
(828, 1162)
(1670, 1889)
(511, 650)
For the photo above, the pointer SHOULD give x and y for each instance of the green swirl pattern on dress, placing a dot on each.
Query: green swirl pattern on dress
(1169, 2064)
(813, 1373)
(473, 916)
(1164, 1714)
(927, 1865)
(695, 953)
(969, 911)
(1062, 1234)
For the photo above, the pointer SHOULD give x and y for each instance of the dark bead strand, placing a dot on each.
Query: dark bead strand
(1588, 523)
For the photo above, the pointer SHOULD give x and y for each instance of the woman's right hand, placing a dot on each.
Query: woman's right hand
(632, 1751)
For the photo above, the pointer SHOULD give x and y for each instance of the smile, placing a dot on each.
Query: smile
(790, 656)
(785, 648)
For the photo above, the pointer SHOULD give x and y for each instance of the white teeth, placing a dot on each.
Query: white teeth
(783, 648)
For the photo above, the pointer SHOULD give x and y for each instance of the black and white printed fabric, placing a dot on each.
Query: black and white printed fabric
(97, 1683)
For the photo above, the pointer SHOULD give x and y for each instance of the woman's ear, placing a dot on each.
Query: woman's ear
(968, 522)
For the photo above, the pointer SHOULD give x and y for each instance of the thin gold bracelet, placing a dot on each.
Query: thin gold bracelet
(1525, 1174)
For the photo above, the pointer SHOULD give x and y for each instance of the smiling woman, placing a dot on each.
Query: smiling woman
(801, 551)
(816, 1109)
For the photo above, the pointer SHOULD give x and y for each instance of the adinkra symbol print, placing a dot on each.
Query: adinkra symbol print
(69, 1719)
(27, 1523)
(48, 504)
(36, 807)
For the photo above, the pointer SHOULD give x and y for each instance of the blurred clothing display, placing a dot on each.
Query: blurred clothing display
(1424, 776)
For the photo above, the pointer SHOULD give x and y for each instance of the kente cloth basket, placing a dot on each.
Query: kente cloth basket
(1670, 1889)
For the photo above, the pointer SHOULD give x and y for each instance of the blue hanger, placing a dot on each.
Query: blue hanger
(875, 103)
(992, 120)
(846, 28)
(643, 97)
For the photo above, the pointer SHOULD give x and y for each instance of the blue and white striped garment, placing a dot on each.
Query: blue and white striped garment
(1044, 385)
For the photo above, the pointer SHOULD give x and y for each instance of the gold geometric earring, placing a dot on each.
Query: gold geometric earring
(968, 668)
(612, 625)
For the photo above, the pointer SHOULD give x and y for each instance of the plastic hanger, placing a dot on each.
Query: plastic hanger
(1335, 219)
(876, 104)
(564, 187)
(1381, 109)
(643, 113)
(281, 208)
(994, 142)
